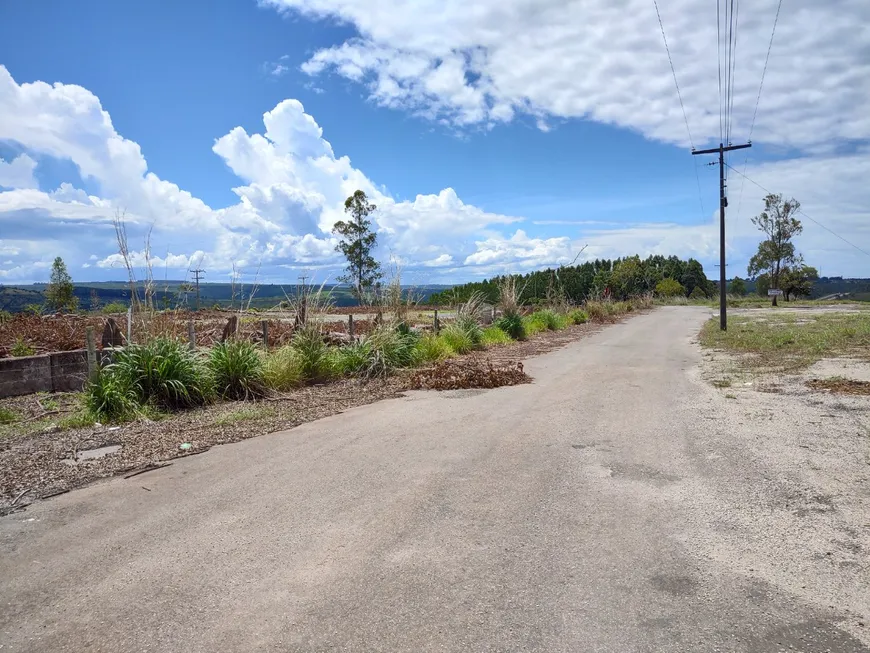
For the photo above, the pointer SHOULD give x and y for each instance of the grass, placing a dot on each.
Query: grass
(237, 370)
(787, 341)
(313, 355)
(247, 413)
(432, 348)
(494, 336)
(21, 348)
(544, 320)
(7, 415)
(457, 339)
(282, 369)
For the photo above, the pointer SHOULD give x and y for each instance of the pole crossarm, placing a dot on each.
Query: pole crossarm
(723, 148)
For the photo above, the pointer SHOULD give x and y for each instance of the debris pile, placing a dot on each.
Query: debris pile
(465, 374)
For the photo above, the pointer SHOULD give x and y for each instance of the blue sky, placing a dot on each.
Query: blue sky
(494, 142)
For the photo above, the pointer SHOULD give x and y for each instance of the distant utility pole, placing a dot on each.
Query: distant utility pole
(723, 202)
(196, 275)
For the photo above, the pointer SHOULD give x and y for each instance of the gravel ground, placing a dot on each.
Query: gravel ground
(39, 460)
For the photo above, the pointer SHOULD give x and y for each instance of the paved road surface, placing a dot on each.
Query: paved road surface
(602, 508)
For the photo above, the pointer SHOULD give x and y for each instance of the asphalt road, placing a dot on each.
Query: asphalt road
(618, 504)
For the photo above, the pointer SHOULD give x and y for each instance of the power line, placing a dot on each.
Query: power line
(719, 64)
(682, 106)
(801, 211)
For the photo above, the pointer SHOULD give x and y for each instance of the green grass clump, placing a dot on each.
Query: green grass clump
(314, 356)
(495, 336)
(114, 307)
(391, 349)
(109, 397)
(237, 370)
(164, 373)
(544, 320)
(457, 339)
(282, 369)
(578, 316)
(7, 416)
(21, 348)
(512, 325)
(431, 348)
(352, 359)
(469, 325)
(76, 420)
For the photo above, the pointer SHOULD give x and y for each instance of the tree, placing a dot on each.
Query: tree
(694, 277)
(670, 288)
(59, 293)
(737, 286)
(357, 241)
(95, 300)
(798, 280)
(777, 251)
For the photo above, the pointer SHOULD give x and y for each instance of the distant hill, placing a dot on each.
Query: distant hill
(170, 294)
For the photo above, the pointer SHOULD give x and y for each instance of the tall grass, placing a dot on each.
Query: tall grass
(237, 370)
(457, 339)
(313, 354)
(432, 348)
(282, 369)
(512, 325)
(493, 336)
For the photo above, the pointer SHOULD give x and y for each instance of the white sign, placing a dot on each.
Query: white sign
(773, 291)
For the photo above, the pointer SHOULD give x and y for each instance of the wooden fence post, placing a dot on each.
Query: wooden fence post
(437, 326)
(92, 354)
(191, 335)
(265, 325)
(130, 325)
(350, 325)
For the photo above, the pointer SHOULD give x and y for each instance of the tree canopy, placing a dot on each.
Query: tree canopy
(356, 243)
(59, 292)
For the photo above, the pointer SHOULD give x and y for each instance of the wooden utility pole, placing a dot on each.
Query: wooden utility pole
(196, 275)
(723, 202)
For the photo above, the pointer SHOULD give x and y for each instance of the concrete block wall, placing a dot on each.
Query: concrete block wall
(64, 371)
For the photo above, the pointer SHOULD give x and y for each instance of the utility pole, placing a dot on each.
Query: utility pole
(723, 202)
(196, 275)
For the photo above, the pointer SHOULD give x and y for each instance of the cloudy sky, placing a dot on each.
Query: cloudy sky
(494, 136)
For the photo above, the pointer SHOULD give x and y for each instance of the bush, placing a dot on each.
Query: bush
(457, 339)
(495, 336)
(390, 350)
(697, 293)
(5, 316)
(512, 325)
(315, 360)
(578, 316)
(545, 320)
(110, 398)
(670, 288)
(282, 369)
(21, 348)
(352, 359)
(164, 373)
(114, 307)
(237, 370)
(433, 348)
(469, 325)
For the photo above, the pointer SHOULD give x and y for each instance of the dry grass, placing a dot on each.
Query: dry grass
(786, 341)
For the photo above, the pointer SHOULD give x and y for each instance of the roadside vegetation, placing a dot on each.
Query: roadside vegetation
(779, 341)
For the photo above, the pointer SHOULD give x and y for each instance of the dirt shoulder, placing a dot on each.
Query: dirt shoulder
(47, 461)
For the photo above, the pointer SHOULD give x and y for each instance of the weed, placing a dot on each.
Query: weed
(512, 325)
(7, 416)
(79, 419)
(109, 397)
(282, 369)
(114, 307)
(390, 350)
(578, 316)
(21, 348)
(495, 336)
(352, 359)
(545, 320)
(237, 370)
(457, 339)
(469, 325)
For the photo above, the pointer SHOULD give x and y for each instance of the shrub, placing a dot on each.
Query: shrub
(697, 293)
(670, 288)
(5, 316)
(282, 369)
(512, 325)
(7, 416)
(237, 370)
(495, 336)
(469, 325)
(163, 372)
(352, 359)
(457, 339)
(33, 309)
(21, 348)
(546, 319)
(390, 349)
(433, 348)
(315, 360)
(109, 397)
(114, 307)
(578, 316)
